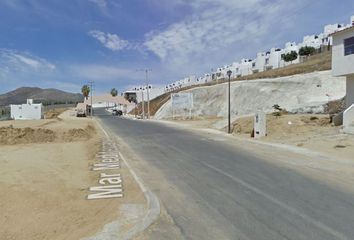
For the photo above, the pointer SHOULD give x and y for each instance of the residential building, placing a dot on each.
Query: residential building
(27, 111)
(343, 65)
(246, 67)
(314, 41)
(264, 61)
(273, 58)
(258, 64)
(236, 72)
(108, 101)
(289, 47)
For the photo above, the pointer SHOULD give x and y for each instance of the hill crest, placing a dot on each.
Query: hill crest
(46, 96)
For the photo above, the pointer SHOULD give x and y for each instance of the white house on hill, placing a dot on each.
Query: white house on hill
(343, 65)
(27, 111)
(273, 58)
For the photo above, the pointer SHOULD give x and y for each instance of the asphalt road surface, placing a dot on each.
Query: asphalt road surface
(214, 190)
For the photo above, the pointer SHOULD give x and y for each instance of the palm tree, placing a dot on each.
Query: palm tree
(114, 92)
(85, 91)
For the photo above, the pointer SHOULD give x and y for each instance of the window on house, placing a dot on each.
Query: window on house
(349, 46)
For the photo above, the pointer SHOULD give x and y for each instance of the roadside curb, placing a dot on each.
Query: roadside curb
(153, 204)
(290, 148)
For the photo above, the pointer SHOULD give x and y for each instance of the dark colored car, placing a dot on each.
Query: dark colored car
(117, 112)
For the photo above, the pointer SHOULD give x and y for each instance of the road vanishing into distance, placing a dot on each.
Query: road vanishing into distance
(214, 190)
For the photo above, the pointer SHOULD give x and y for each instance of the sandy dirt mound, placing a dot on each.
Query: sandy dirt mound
(77, 134)
(54, 113)
(12, 136)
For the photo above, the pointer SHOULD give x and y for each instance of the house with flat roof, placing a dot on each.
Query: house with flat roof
(343, 65)
(273, 58)
(108, 101)
(26, 111)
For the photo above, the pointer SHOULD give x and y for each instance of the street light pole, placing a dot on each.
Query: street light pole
(147, 92)
(229, 102)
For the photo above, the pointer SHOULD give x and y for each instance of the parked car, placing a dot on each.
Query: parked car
(116, 112)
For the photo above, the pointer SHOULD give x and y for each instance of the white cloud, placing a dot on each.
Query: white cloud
(103, 73)
(100, 3)
(15, 61)
(110, 41)
(218, 30)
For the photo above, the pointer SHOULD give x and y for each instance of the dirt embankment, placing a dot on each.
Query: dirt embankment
(318, 62)
(54, 113)
(12, 136)
(284, 125)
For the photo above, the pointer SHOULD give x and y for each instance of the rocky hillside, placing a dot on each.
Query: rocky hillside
(45, 96)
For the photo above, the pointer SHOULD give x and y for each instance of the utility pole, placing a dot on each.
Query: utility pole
(91, 91)
(147, 89)
(142, 102)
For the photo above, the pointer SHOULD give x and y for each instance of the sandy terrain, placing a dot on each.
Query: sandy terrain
(45, 175)
(311, 131)
(54, 113)
(308, 131)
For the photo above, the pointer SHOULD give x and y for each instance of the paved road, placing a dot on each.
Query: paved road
(213, 190)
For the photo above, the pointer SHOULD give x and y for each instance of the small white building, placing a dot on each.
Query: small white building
(273, 59)
(28, 111)
(289, 47)
(343, 65)
(314, 41)
(154, 91)
(246, 67)
(236, 70)
(258, 64)
(108, 101)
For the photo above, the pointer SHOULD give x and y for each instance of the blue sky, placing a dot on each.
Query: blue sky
(66, 43)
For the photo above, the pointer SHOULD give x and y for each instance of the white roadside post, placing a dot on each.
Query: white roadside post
(260, 125)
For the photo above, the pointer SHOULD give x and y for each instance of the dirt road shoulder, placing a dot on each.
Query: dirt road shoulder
(46, 173)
